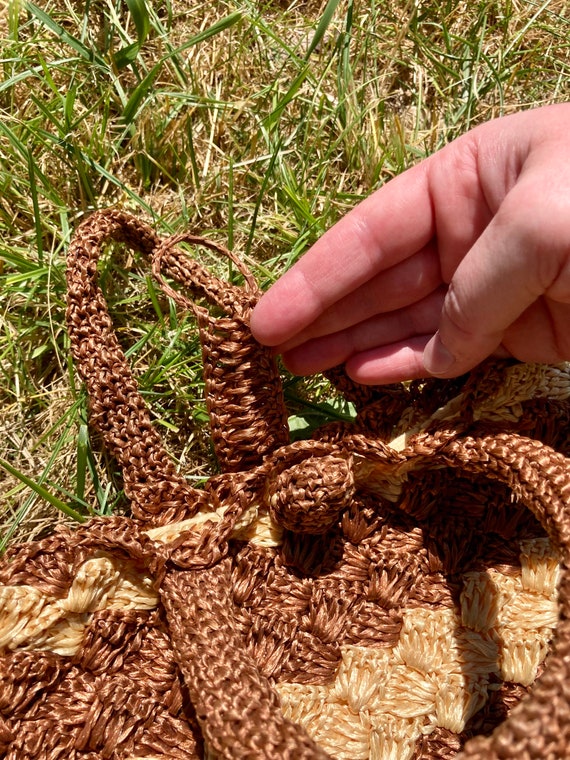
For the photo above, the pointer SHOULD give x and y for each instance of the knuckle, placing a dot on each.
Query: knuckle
(456, 313)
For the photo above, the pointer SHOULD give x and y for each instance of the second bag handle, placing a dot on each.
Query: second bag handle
(243, 387)
(244, 392)
(238, 710)
(117, 410)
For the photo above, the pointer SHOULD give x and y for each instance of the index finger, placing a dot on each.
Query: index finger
(390, 225)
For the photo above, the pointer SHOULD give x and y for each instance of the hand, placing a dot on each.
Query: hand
(464, 256)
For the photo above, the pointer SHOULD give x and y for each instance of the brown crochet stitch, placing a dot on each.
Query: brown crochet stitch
(397, 587)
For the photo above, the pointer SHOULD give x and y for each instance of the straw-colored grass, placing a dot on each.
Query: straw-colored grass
(255, 123)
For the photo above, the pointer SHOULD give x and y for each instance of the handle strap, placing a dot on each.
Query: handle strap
(539, 727)
(243, 388)
(117, 410)
(237, 710)
(244, 392)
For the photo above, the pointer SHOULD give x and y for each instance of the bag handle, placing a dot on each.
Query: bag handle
(117, 409)
(238, 710)
(244, 394)
(539, 727)
(244, 391)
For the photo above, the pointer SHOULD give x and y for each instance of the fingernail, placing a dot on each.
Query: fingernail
(437, 359)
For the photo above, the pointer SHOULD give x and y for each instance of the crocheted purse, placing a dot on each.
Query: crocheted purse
(387, 590)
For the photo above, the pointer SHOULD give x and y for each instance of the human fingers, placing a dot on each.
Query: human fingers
(523, 255)
(402, 285)
(440, 199)
(541, 334)
(392, 224)
(369, 345)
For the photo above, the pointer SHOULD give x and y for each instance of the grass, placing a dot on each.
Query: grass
(255, 123)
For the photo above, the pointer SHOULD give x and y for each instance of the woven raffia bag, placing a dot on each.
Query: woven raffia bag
(394, 588)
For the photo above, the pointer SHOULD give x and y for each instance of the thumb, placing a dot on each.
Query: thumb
(493, 285)
(464, 338)
(444, 359)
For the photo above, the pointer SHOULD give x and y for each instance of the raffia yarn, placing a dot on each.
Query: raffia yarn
(393, 588)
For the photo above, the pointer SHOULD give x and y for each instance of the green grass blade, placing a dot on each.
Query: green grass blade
(322, 26)
(217, 28)
(138, 95)
(126, 55)
(86, 53)
(272, 119)
(140, 92)
(118, 183)
(43, 492)
(260, 196)
(36, 207)
(141, 19)
(81, 469)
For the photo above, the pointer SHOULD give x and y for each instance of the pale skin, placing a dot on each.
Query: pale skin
(462, 257)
